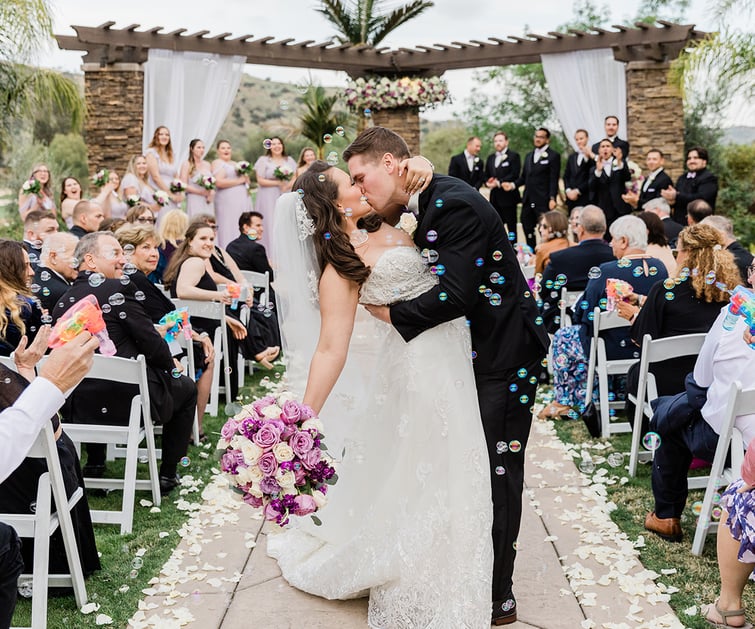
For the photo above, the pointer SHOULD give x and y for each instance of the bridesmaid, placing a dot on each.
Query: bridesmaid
(136, 183)
(162, 166)
(70, 195)
(306, 157)
(113, 206)
(42, 200)
(270, 187)
(232, 195)
(198, 198)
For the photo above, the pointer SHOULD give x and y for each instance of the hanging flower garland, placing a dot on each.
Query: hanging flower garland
(383, 93)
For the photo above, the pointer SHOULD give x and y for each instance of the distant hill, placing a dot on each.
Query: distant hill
(739, 135)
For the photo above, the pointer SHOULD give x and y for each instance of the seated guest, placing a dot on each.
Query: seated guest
(173, 397)
(87, 218)
(38, 225)
(688, 306)
(689, 424)
(657, 242)
(573, 264)
(246, 250)
(172, 230)
(571, 345)
(56, 270)
(19, 313)
(660, 207)
(552, 227)
(697, 211)
(145, 242)
(742, 257)
(111, 224)
(141, 213)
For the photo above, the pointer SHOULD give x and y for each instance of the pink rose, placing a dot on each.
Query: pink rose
(301, 476)
(258, 405)
(229, 429)
(267, 436)
(306, 412)
(268, 464)
(301, 443)
(311, 458)
(252, 500)
(305, 505)
(271, 513)
(290, 413)
(288, 432)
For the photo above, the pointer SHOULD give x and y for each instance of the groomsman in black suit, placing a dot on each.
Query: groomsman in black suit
(577, 173)
(697, 183)
(611, 127)
(657, 179)
(468, 166)
(503, 166)
(607, 181)
(508, 338)
(539, 177)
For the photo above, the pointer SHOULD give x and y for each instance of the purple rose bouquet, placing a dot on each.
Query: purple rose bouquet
(243, 168)
(177, 186)
(273, 454)
(208, 182)
(283, 172)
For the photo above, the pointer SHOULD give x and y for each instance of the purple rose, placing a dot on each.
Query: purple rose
(291, 412)
(267, 436)
(304, 505)
(306, 412)
(288, 432)
(229, 429)
(269, 486)
(301, 443)
(249, 427)
(252, 500)
(271, 513)
(231, 460)
(300, 474)
(267, 464)
(310, 459)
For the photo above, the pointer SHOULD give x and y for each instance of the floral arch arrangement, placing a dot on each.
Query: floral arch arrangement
(377, 93)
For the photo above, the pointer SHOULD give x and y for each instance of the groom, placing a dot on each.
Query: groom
(482, 281)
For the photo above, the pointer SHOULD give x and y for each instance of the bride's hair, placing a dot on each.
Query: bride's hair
(332, 243)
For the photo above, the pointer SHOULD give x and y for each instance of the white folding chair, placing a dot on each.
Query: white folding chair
(163, 290)
(138, 429)
(568, 299)
(190, 370)
(741, 402)
(598, 363)
(255, 280)
(653, 351)
(528, 271)
(41, 524)
(214, 310)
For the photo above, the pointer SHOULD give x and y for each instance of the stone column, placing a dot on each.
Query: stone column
(655, 113)
(115, 117)
(402, 120)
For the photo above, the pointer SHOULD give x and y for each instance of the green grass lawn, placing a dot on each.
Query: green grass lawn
(117, 587)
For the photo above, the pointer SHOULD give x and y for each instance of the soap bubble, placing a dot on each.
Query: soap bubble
(432, 235)
(267, 143)
(594, 273)
(669, 296)
(497, 255)
(499, 470)
(515, 445)
(443, 296)
(139, 296)
(340, 131)
(479, 262)
(185, 461)
(137, 563)
(96, 279)
(586, 466)
(615, 459)
(128, 249)
(332, 158)
(438, 203)
(283, 105)
(501, 447)
(116, 299)
(651, 441)
(495, 299)
(327, 138)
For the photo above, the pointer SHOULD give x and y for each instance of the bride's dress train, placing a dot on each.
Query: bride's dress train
(409, 521)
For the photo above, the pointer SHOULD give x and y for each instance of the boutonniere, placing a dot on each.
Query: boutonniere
(543, 154)
(476, 160)
(408, 223)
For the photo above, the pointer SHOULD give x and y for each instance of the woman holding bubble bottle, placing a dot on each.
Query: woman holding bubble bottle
(231, 194)
(275, 172)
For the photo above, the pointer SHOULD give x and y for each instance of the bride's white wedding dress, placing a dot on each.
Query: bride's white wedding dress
(409, 521)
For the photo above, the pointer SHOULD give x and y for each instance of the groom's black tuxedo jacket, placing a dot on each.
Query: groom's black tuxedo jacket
(472, 245)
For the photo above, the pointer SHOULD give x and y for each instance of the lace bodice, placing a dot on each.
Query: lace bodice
(398, 275)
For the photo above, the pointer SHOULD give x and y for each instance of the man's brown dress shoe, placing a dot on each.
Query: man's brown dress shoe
(669, 529)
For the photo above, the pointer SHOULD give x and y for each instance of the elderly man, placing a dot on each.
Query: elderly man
(38, 225)
(660, 207)
(742, 257)
(697, 183)
(173, 397)
(87, 217)
(57, 269)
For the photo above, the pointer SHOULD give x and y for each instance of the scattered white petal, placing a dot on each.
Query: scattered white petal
(103, 619)
(89, 608)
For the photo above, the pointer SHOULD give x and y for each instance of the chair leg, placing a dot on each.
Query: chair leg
(639, 416)
(41, 554)
(605, 414)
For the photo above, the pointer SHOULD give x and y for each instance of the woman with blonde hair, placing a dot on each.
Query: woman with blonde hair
(172, 231)
(162, 166)
(136, 183)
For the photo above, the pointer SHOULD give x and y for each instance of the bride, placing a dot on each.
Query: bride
(408, 522)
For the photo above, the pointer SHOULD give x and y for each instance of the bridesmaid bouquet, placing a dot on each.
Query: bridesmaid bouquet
(31, 186)
(177, 186)
(206, 181)
(243, 168)
(284, 173)
(274, 456)
(133, 199)
(100, 178)
(161, 198)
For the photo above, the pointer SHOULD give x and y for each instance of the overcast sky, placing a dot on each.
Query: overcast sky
(448, 20)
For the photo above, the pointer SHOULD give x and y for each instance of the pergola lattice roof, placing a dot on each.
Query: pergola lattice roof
(642, 42)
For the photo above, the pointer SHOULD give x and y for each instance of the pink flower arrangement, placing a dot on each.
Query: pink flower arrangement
(161, 198)
(274, 456)
(383, 93)
(100, 178)
(283, 172)
(636, 178)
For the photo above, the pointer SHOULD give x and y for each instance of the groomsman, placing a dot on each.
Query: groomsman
(577, 173)
(656, 180)
(468, 166)
(539, 177)
(503, 166)
(611, 127)
(697, 183)
(607, 181)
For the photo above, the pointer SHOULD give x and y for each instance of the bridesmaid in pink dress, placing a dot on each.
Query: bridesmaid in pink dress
(270, 186)
(162, 167)
(198, 198)
(232, 194)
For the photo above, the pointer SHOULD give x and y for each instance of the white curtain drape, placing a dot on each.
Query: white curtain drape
(587, 86)
(190, 93)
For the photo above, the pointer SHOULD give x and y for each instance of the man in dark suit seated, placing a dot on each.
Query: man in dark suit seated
(467, 165)
(87, 217)
(575, 263)
(697, 211)
(607, 181)
(173, 397)
(742, 258)
(56, 270)
(247, 250)
(503, 166)
(657, 179)
(611, 127)
(660, 207)
(577, 173)
(697, 183)
(38, 225)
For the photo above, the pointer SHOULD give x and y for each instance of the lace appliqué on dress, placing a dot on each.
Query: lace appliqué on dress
(399, 275)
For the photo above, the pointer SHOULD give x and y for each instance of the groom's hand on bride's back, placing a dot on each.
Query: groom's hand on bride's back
(379, 312)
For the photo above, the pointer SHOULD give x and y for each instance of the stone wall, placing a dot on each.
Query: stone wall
(114, 100)
(402, 120)
(655, 113)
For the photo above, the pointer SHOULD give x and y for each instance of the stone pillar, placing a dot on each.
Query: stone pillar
(402, 120)
(655, 113)
(115, 100)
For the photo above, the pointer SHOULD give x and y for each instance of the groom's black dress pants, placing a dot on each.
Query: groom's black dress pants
(506, 418)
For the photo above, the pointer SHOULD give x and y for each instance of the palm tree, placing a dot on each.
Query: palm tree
(25, 27)
(320, 120)
(360, 22)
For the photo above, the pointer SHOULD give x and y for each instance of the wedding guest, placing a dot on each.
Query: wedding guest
(111, 224)
(552, 228)
(146, 242)
(271, 170)
(574, 222)
(109, 197)
(56, 270)
(232, 194)
(141, 213)
(198, 198)
(660, 207)
(697, 183)
(306, 157)
(697, 211)
(171, 231)
(41, 199)
(577, 173)
(607, 181)
(162, 166)
(136, 182)
(742, 258)
(19, 313)
(38, 225)
(87, 218)
(657, 243)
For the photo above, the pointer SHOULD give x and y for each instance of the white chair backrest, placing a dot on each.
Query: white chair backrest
(603, 321)
(657, 350)
(206, 309)
(528, 271)
(568, 300)
(259, 280)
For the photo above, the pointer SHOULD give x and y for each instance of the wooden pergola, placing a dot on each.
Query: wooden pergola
(113, 72)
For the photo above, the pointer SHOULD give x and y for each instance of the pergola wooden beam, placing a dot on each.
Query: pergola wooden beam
(105, 45)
